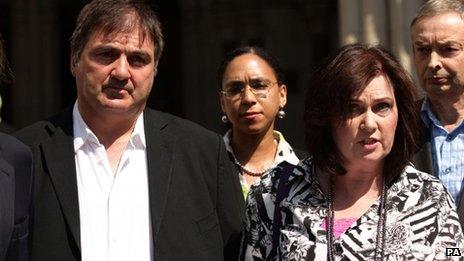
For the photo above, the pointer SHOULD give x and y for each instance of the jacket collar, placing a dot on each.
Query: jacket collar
(161, 145)
(58, 151)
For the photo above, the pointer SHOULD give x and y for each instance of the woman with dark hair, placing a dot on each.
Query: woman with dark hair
(252, 95)
(357, 197)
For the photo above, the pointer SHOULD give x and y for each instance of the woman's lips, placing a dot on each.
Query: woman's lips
(369, 144)
(250, 115)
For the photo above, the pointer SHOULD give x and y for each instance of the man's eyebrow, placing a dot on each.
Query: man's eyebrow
(105, 48)
(420, 42)
(142, 54)
(449, 42)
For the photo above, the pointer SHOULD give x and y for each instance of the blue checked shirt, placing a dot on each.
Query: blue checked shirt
(447, 152)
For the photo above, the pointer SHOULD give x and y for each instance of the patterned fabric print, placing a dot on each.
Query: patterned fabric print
(447, 152)
(284, 153)
(421, 220)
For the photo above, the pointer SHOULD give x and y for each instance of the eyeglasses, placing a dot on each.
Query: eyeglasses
(260, 88)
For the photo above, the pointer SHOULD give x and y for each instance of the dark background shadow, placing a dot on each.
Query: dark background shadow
(197, 33)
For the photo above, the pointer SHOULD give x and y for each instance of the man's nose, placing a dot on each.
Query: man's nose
(434, 61)
(121, 69)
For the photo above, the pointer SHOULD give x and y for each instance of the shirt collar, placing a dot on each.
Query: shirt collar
(427, 115)
(83, 134)
(138, 134)
(284, 150)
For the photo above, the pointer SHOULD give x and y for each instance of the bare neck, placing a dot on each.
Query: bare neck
(449, 110)
(357, 185)
(354, 192)
(257, 151)
(110, 128)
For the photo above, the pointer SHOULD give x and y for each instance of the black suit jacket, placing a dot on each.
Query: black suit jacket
(15, 197)
(423, 161)
(195, 201)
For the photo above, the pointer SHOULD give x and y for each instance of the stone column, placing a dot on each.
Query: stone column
(349, 23)
(401, 15)
(379, 22)
(374, 21)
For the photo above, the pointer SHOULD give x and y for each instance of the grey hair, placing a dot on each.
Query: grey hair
(436, 7)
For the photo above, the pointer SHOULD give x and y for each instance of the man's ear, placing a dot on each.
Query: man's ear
(72, 67)
(73, 64)
(156, 69)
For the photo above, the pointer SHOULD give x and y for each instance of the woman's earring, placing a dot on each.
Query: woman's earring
(224, 119)
(281, 113)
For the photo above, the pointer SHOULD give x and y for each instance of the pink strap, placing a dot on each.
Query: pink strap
(340, 225)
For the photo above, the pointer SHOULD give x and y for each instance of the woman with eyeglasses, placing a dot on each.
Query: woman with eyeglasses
(252, 96)
(357, 197)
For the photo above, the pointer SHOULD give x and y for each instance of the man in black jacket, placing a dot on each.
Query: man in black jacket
(15, 188)
(115, 180)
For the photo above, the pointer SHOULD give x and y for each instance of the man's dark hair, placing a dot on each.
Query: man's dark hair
(269, 59)
(112, 16)
(337, 80)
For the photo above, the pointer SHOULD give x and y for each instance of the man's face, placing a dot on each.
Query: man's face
(438, 47)
(114, 73)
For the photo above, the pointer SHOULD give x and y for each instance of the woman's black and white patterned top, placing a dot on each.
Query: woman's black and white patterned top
(421, 220)
(285, 153)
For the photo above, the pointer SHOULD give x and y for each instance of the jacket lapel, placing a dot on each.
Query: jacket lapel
(422, 159)
(160, 154)
(6, 205)
(58, 153)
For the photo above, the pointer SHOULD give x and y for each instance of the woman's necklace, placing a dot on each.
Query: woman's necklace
(380, 237)
(254, 173)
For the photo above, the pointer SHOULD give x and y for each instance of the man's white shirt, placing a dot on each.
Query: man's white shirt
(114, 208)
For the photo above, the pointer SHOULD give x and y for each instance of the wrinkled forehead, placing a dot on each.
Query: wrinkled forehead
(442, 17)
(127, 28)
